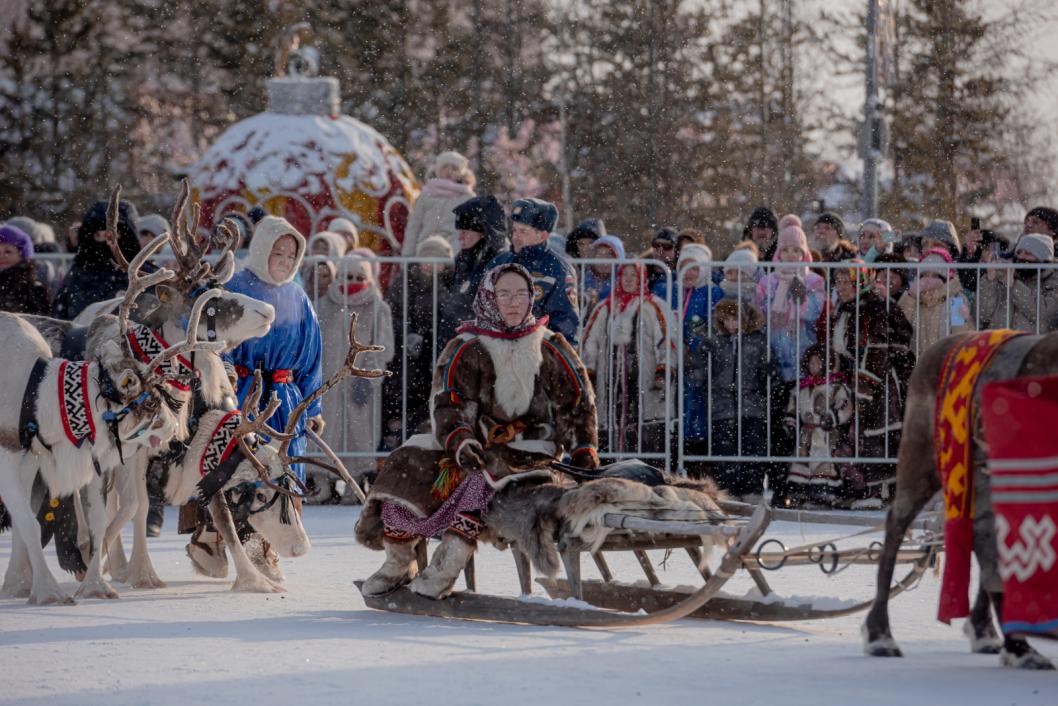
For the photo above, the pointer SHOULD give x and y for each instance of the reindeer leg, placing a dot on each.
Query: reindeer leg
(247, 578)
(94, 585)
(123, 501)
(141, 572)
(916, 482)
(979, 628)
(18, 578)
(13, 469)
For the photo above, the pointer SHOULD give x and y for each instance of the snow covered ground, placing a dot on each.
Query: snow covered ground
(195, 642)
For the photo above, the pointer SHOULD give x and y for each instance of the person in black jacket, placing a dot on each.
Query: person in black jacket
(20, 290)
(95, 276)
(482, 236)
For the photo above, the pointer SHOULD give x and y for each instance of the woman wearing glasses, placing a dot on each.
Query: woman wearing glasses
(509, 397)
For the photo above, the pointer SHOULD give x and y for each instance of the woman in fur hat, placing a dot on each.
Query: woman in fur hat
(509, 397)
(449, 182)
(624, 349)
(354, 407)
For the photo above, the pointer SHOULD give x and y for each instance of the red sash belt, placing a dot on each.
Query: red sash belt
(282, 375)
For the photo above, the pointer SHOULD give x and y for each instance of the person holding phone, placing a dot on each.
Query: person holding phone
(1024, 298)
(935, 303)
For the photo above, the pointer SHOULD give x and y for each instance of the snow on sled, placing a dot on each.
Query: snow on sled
(736, 529)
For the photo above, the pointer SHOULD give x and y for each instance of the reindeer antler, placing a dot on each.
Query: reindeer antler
(348, 369)
(188, 249)
(139, 284)
(256, 425)
(113, 211)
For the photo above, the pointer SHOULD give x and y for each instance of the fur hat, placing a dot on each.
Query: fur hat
(762, 217)
(153, 223)
(434, 246)
(482, 214)
(10, 235)
(270, 229)
(336, 244)
(750, 316)
(1048, 216)
(535, 213)
(741, 257)
(831, 219)
(1041, 246)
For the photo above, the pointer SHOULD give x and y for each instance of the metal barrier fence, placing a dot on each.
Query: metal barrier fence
(866, 353)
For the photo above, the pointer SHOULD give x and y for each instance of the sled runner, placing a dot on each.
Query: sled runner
(612, 604)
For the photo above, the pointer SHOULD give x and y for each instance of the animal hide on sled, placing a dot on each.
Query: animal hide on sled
(535, 516)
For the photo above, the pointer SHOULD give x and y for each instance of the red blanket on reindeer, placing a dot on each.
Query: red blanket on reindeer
(1019, 419)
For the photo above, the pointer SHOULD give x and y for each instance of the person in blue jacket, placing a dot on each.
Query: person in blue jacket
(554, 281)
(290, 355)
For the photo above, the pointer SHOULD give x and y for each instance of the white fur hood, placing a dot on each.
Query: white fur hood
(268, 231)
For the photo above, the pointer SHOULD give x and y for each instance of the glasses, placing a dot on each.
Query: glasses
(512, 297)
(664, 245)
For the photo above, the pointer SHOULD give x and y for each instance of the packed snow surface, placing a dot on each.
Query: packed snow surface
(196, 642)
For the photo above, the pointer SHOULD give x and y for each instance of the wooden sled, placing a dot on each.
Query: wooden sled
(626, 605)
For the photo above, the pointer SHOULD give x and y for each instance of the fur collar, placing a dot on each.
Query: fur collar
(517, 364)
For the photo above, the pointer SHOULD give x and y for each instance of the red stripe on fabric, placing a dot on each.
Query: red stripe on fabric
(227, 449)
(62, 403)
(87, 405)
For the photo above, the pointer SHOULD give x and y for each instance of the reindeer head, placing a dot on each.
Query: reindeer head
(230, 317)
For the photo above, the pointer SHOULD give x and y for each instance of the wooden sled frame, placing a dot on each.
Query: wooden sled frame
(623, 605)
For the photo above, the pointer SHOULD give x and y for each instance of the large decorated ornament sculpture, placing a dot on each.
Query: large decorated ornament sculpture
(302, 160)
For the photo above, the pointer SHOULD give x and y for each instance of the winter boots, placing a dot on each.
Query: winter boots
(207, 554)
(398, 569)
(448, 560)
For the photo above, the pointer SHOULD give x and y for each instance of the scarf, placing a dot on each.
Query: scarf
(623, 297)
(348, 292)
(488, 321)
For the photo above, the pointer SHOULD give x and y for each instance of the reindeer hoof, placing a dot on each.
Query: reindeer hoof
(98, 589)
(145, 580)
(1029, 660)
(256, 584)
(882, 646)
(50, 597)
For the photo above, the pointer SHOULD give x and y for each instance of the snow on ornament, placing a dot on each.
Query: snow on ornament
(302, 160)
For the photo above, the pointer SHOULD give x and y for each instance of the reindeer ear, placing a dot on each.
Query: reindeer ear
(129, 383)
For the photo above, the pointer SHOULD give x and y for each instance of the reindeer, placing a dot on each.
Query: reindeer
(74, 422)
(248, 488)
(918, 480)
(231, 317)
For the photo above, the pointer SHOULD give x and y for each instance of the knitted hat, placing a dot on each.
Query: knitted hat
(741, 258)
(762, 217)
(944, 232)
(448, 159)
(1040, 246)
(434, 246)
(790, 219)
(369, 255)
(668, 234)
(793, 235)
(11, 235)
(831, 219)
(38, 232)
(936, 256)
(1048, 216)
(153, 223)
(535, 213)
(589, 229)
